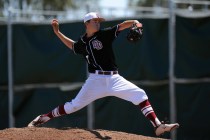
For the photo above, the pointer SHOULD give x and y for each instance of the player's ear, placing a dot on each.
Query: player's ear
(86, 23)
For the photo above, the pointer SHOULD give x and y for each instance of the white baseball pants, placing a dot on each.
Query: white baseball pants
(99, 86)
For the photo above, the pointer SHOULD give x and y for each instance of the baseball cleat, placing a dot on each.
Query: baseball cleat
(162, 128)
(38, 121)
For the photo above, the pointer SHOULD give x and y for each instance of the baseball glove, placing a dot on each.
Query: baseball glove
(135, 33)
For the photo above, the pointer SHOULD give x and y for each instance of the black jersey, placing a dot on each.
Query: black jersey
(97, 50)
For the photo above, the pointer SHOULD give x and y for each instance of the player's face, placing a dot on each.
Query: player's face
(94, 25)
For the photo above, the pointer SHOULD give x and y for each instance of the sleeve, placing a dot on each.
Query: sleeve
(79, 47)
(112, 32)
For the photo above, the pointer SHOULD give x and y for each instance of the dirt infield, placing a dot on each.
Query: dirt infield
(43, 133)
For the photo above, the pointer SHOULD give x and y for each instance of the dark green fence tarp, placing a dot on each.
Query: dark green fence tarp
(3, 54)
(193, 111)
(193, 47)
(40, 57)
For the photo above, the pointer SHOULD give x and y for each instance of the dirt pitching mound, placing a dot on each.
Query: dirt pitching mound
(43, 133)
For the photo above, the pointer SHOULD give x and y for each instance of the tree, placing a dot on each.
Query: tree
(55, 5)
(2, 3)
(147, 3)
(151, 3)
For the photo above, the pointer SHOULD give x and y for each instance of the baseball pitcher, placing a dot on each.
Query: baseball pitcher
(104, 80)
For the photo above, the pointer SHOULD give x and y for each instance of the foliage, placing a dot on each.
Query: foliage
(1, 4)
(56, 5)
(148, 3)
(162, 3)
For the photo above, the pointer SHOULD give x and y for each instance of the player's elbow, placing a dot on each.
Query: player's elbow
(70, 45)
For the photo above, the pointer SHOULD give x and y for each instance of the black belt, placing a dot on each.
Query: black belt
(106, 72)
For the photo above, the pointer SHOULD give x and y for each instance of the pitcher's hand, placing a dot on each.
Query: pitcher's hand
(55, 26)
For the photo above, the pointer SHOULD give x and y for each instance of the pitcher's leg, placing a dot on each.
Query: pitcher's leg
(58, 111)
(128, 91)
(91, 90)
(69, 107)
(137, 96)
(149, 113)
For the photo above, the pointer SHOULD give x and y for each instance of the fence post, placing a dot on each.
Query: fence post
(90, 107)
(172, 56)
(10, 69)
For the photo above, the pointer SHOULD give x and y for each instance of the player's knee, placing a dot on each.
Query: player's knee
(71, 107)
(142, 96)
(143, 91)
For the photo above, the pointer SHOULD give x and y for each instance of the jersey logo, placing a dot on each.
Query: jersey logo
(97, 44)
